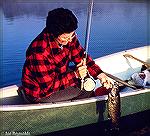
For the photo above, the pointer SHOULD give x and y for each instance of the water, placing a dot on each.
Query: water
(116, 25)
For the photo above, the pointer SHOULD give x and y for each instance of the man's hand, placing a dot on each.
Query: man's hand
(82, 69)
(105, 80)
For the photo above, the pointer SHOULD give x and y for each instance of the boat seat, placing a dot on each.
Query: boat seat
(13, 100)
(16, 98)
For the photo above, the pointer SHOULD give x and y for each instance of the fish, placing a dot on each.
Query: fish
(113, 104)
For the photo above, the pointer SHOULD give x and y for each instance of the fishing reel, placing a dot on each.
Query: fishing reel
(88, 83)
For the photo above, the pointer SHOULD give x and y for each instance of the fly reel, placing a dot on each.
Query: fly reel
(89, 84)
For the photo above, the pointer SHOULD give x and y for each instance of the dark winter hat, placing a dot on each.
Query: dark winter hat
(61, 21)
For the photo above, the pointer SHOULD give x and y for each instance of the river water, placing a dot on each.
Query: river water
(116, 25)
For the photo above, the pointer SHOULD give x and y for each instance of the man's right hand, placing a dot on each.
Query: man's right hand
(82, 69)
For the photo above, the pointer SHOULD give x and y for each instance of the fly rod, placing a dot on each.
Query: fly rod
(87, 36)
(88, 28)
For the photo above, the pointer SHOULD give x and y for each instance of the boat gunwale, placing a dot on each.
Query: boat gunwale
(24, 107)
(122, 52)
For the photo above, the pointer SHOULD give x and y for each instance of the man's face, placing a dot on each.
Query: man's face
(65, 38)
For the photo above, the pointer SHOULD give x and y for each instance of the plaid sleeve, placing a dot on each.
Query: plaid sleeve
(77, 56)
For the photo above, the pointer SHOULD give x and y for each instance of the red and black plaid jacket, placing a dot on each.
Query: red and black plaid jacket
(45, 68)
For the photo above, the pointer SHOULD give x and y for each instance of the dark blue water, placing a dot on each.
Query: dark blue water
(116, 25)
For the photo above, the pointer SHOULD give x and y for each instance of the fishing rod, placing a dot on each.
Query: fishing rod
(85, 82)
(89, 84)
(88, 28)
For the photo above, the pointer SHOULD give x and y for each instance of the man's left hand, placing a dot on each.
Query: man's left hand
(105, 80)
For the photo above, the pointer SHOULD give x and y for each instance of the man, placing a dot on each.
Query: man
(46, 76)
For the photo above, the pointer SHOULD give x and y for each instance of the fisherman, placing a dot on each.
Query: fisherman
(46, 75)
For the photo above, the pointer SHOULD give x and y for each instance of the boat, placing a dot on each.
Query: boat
(42, 118)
